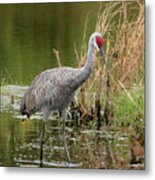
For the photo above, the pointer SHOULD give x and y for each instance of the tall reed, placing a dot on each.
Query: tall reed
(122, 26)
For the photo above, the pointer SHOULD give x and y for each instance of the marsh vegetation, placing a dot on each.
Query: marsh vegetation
(105, 124)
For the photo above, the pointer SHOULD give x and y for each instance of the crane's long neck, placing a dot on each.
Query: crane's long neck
(84, 72)
(88, 67)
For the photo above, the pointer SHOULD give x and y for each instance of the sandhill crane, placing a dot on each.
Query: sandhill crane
(55, 88)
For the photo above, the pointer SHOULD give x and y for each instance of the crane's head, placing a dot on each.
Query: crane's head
(97, 41)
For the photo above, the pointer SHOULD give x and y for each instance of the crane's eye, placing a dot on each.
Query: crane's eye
(99, 41)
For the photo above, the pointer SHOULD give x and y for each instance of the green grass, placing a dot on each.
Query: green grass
(127, 111)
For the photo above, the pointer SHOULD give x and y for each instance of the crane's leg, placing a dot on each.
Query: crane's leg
(42, 142)
(64, 117)
(46, 113)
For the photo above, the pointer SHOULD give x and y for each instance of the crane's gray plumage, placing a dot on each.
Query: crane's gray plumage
(55, 88)
(51, 89)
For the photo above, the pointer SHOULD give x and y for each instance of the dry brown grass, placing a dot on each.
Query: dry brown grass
(122, 26)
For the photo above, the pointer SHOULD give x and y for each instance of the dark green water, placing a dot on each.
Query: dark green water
(29, 32)
(110, 148)
(88, 148)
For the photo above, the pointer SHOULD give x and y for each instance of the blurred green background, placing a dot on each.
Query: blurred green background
(29, 32)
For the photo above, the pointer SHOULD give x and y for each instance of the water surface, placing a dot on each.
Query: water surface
(109, 148)
(29, 32)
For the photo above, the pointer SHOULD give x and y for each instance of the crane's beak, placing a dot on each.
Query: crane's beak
(102, 54)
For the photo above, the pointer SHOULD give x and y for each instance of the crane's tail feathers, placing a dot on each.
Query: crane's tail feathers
(24, 111)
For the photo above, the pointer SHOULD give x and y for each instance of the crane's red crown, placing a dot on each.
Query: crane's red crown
(99, 41)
